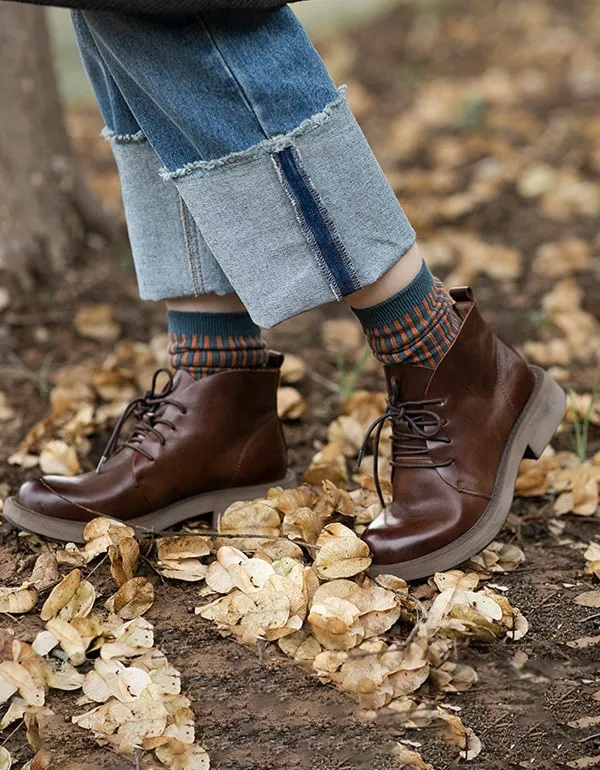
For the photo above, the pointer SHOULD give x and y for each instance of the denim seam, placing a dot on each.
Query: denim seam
(272, 145)
(186, 231)
(233, 77)
(196, 251)
(306, 230)
(342, 252)
(111, 136)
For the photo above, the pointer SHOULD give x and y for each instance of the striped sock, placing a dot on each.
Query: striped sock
(208, 343)
(416, 326)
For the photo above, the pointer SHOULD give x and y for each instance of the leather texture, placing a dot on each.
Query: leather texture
(444, 482)
(226, 435)
(160, 7)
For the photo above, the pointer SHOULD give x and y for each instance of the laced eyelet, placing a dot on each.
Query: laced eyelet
(146, 409)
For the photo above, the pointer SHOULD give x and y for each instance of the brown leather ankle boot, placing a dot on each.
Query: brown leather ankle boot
(197, 447)
(459, 434)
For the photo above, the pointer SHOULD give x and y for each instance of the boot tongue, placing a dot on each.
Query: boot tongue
(183, 380)
(413, 381)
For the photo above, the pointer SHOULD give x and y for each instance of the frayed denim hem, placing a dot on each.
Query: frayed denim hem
(110, 136)
(298, 220)
(273, 145)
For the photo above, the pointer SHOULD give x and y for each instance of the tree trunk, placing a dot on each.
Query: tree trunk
(46, 209)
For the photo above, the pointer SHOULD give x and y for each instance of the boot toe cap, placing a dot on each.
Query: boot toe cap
(39, 496)
(403, 533)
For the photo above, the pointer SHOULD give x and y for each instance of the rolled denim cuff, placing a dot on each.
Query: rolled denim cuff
(171, 257)
(300, 219)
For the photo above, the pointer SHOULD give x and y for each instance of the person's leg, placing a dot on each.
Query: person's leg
(295, 209)
(264, 150)
(202, 442)
(258, 122)
(209, 327)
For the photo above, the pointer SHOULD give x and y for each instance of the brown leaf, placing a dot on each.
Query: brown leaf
(123, 559)
(184, 547)
(329, 463)
(588, 599)
(45, 571)
(134, 598)
(290, 404)
(61, 595)
(97, 322)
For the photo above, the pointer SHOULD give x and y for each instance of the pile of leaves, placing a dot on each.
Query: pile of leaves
(306, 590)
(105, 653)
(289, 569)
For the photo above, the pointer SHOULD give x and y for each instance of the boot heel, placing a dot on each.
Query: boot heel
(547, 412)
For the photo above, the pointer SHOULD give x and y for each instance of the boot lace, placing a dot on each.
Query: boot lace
(413, 424)
(146, 409)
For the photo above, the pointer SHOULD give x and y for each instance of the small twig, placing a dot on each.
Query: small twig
(213, 533)
(34, 319)
(329, 384)
(148, 561)
(97, 567)
(589, 738)
(10, 735)
(590, 617)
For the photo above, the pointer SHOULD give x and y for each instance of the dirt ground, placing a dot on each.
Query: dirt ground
(255, 709)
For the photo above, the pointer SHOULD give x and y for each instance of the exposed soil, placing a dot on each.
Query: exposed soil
(255, 710)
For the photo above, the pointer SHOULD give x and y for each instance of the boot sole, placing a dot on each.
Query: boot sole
(530, 436)
(163, 519)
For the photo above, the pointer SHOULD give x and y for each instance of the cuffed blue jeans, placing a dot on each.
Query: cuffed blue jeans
(242, 167)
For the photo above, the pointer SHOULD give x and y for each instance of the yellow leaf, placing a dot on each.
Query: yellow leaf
(342, 557)
(59, 458)
(61, 595)
(588, 599)
(97, 322)
(184, 547)
(293, 369)
(18, 601)
(290, 404)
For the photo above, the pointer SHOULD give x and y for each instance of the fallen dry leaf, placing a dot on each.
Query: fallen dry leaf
(328, 464)
(184, 547)
(592, 558)
(293, 369)
(17, 601)
(61, 595)
(134, 598)
(409, 759)
(588, 599)
(59, 458)
(123, 557)
(45, 571)
(290, 404)
(342, 334)
(97, 322)
(5, 759)
(342, 557)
